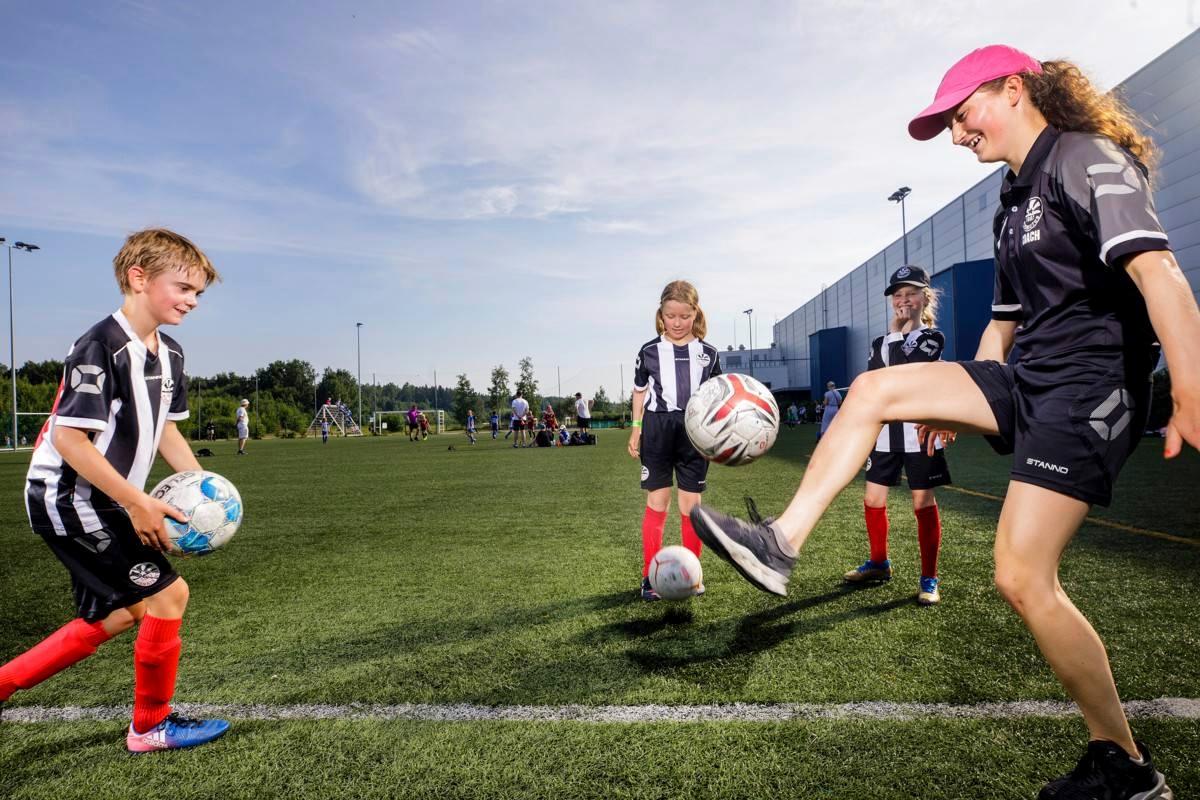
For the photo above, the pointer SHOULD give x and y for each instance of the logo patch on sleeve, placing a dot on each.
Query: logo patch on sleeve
(87, 379)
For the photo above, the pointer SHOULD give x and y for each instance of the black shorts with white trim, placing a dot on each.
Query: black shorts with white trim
(666, 451)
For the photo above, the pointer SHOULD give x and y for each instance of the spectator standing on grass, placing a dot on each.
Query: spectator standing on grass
(583, 414)
(242, 422)
(520, 409)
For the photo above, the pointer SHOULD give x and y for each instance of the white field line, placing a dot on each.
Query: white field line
(1165, 707)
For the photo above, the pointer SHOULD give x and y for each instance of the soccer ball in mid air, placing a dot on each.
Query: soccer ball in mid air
(212, 504)
(732, 419)
(675, 573)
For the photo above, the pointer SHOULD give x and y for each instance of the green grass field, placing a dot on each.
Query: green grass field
(380, 571)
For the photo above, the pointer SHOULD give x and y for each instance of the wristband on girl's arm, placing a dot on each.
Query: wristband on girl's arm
(637, 423)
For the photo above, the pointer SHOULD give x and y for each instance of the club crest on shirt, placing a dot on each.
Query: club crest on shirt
(168, 387)
(703, 358)
(1033, 213)
(1033, 216)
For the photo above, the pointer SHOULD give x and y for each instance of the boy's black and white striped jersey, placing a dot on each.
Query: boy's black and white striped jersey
(114, 388)
(922, 344)
(670, 373)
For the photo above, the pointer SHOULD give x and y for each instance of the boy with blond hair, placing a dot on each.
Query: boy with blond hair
(123, 389)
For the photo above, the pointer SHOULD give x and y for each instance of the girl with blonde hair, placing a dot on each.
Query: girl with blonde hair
(668, 370)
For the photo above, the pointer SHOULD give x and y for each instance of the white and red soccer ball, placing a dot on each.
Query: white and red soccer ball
(675, 573)
(732, 419)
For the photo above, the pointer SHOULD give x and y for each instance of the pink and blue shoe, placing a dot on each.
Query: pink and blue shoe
(174, 733)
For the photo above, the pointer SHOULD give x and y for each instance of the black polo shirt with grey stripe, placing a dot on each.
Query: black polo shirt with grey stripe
(670, 373)
(114, 388)
(1079, 207)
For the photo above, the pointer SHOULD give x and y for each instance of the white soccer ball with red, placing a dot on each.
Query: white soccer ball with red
(732, 419)
(675, 573)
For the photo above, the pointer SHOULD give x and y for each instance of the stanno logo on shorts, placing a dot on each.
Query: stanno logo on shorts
(1037, 462)
(645, 473)
(144, 574)
(868, 467)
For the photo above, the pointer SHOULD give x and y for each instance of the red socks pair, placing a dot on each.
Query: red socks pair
(155, 663)
(929, 535)
(652, 536)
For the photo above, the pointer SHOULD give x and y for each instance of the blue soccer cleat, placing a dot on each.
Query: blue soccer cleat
(174, 733)
(929, 594)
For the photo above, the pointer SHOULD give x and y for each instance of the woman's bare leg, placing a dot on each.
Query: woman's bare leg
(940, 394)
(1036, 524)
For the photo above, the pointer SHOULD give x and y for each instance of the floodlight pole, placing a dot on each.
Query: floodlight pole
(12, 338)
(749, 312)
(898, 197)
(358, 329)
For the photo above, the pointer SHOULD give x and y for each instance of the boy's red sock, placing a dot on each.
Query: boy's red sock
(929, 537)
(155, 662)
(877, 531)
(73, 642)
(652, 536)
(690, 540)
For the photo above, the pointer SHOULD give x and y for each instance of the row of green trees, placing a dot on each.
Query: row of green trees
(285, 395)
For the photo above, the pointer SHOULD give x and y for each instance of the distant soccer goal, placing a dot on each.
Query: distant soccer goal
(398, 420)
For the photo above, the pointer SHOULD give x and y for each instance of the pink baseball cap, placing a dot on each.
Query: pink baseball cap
(960, 82)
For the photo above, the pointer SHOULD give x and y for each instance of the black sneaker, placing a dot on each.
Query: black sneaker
(648, 592)
(1106, 772)
(753, 549)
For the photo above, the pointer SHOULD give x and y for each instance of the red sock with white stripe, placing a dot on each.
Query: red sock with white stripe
(73, 642)
(877, 531)
(652, 536)
(690, 540)
(155, 663)
(929, 537)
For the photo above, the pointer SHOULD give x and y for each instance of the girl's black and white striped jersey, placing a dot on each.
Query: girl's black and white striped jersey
(922, 344)
(114, 388)
(670, 373)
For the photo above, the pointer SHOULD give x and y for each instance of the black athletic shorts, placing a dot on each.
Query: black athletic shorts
(666, 449)
(110, 568)
(923, 471)
(585, 423)
(1069, 427)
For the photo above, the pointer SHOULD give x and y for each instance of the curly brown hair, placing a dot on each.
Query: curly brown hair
(1070, 102)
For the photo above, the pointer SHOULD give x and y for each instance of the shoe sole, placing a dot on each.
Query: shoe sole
(153, 749)
(860, 578)
(753, 570)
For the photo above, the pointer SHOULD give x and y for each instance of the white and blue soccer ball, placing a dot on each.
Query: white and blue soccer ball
(732, 419)
(212, 504)
(675, 573)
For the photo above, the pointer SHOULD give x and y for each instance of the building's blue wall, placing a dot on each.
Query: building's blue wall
(957, 239)
(827, 359)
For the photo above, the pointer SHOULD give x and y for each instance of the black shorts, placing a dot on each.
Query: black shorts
(585, 423)
(923, 471)
(110, 568)
(666, 450)
(518, 425)
(1069, 428)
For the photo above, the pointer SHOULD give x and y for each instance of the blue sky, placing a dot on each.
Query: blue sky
(477, 182)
